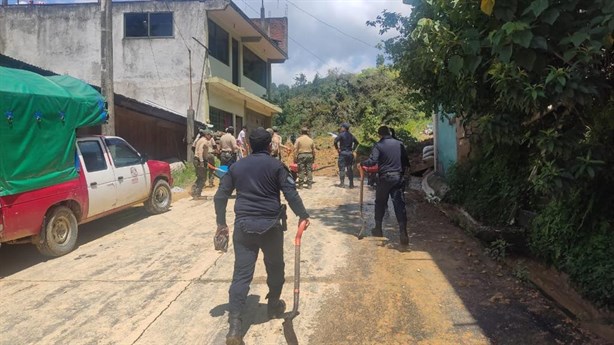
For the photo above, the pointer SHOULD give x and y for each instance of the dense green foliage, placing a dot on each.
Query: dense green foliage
(537, 78)
(364, 100)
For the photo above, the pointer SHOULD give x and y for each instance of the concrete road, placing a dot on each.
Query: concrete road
(139, 279)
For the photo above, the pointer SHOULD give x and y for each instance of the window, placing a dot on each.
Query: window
(155, 24)
(219, 119)
(92, 155)
(254, 67)
(122, 154)
(218, 42)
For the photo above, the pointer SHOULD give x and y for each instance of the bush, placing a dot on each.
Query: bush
(561, 236)
(492, 190)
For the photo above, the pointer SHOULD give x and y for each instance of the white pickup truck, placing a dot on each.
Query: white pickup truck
(112, 177)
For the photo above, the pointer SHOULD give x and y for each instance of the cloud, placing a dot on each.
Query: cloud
(316, 47)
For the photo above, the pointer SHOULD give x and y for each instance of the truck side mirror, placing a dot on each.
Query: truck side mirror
(144, 158)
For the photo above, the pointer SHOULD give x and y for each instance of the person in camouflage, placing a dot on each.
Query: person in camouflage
(304, 156)
(200, 154)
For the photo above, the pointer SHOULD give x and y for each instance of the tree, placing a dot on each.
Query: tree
(536, 81)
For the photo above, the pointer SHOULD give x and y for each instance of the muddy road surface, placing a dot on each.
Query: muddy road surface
(139, 279)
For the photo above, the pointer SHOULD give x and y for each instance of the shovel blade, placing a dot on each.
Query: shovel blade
(289, 333)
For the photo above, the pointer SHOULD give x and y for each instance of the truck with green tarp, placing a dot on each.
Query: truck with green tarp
(51, 180)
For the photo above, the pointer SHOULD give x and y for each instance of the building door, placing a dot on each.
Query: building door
(235, 62)
(238, 122)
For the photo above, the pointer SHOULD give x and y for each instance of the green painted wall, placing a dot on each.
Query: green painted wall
(445, 136)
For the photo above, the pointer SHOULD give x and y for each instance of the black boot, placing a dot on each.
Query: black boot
(403, 234)
(235, 333)
(276, 308)
(377, 231)
(351, 184)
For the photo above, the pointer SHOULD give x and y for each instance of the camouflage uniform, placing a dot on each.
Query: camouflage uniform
(200, 154)
(210, 158)
(304, 149)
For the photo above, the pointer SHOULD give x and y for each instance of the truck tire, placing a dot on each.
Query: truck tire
(59, 232)
(160, 198)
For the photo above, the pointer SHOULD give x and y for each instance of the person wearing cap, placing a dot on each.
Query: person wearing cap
(211, 149)
(228, 147)
(259, 218)
(242, 142)
(200, 160)
(346, 144)
(304, 156)
(391, 157)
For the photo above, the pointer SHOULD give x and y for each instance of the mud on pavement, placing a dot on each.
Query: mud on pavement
(136, 279)
(442, 289)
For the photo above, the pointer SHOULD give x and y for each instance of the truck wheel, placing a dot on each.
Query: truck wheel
(160, 199)
(60, 232)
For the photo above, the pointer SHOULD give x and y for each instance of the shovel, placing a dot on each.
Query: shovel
(289, 333)
(362, 188)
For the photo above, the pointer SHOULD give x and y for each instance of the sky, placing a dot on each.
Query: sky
(315, 47)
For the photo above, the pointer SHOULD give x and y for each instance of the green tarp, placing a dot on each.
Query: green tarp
(38, 121)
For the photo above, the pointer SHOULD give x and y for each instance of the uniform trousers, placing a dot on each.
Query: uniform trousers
(346, 162)
(392, 185)
(246, 246)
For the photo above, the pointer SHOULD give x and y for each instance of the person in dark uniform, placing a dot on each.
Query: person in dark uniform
(346, 143)
(258, 179)
(391, 156)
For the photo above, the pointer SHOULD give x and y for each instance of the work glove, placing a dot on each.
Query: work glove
(220, 240)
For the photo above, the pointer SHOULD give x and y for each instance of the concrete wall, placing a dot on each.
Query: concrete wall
(220, 101)
(65, 39)
(252, 86)
(220, 69)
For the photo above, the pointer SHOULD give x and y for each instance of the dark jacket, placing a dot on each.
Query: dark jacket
(345, 141)
(258, 179)
(390, 155)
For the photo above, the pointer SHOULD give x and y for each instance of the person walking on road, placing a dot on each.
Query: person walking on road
(228, 147)
(304, 156)
(242, 142)
(391, 156)
(259, 220)
(210, 159)
(346, 144)
(200, 160)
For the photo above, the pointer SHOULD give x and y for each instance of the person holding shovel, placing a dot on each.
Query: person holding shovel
(391, 157)
(259, 224)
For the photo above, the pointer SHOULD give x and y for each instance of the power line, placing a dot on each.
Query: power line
(292, 39)
(307, 50)
(331, 26)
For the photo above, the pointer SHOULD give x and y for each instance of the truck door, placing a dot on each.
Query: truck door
(101, 185)
(130, 172)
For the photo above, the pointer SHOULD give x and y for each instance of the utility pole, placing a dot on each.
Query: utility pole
(106, 63)
(190, 118)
